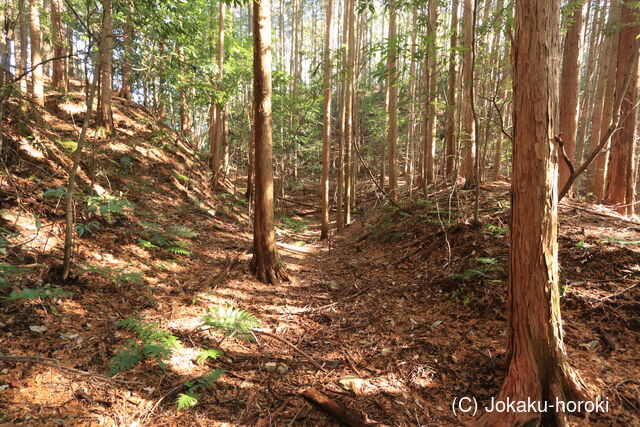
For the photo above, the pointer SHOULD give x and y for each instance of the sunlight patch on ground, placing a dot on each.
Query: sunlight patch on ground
(99, 189)
(34, 234)
(67, 305)
(108, 258)
(182, 359)
(72, 108)
(185, 324)
(152, 153)
(119, 146)
(30, 149)
(296, 248)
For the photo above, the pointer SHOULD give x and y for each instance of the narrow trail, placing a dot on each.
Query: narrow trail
(343, 307)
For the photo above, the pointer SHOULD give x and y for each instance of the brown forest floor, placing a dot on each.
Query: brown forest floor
(410, 307)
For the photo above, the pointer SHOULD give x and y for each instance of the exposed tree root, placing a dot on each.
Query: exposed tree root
(270, 272)
(562, 384)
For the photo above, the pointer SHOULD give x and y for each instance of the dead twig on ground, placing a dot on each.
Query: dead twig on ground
(55, 363)
(619, 293)
(268, 420)
(293, 346)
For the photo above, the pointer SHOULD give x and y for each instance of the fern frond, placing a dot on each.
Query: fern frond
(126, 358)
(33, 294)
(182, 231)
(187, 400)
(211, 353)
(179, 250)
(231, 321)
(153, 344)
(207, 380)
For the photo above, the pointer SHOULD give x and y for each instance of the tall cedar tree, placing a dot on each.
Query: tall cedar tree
(105, 114)
(326, 123)
(37, 74)
(58, 78)
(392, 95)
(468, 122)
(450, 135)
(569, 87)
(621, 182)
(265, 262)
(538, 366)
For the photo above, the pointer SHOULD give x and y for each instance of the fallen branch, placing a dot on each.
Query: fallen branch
(613, 215)
(293, 346)
(337, 410)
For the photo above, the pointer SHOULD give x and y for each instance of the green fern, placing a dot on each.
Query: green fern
(179, 250)
(204, 382)
(151, 343)
(231, 321)
(126, 358)
(10, 272)
(171, 239)
(116, 274)
(33, 294)
(207, 380)
(208, 354)
(187, 400)
(182, 231)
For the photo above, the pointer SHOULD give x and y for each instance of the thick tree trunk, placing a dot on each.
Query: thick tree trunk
(601, 163)
(348, 129)
(411, 124)
(468, 122)
(71, 61)
(344, 95)
(392, 89)
(224, 142)
(214, 111)
(127, 66)
(326, 123)
(431, 70)
(37, 75)
(214, 145)
(586, 105)
(497, 36)
(621, 185)
(58, 78)
(569, 87)
(105, 115)
(265, 262)
(538, 367)
(450, 135)
(160, 93)
(221, 123)
(5, 45)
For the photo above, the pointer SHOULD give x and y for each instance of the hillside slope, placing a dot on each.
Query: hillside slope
(403, 311)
